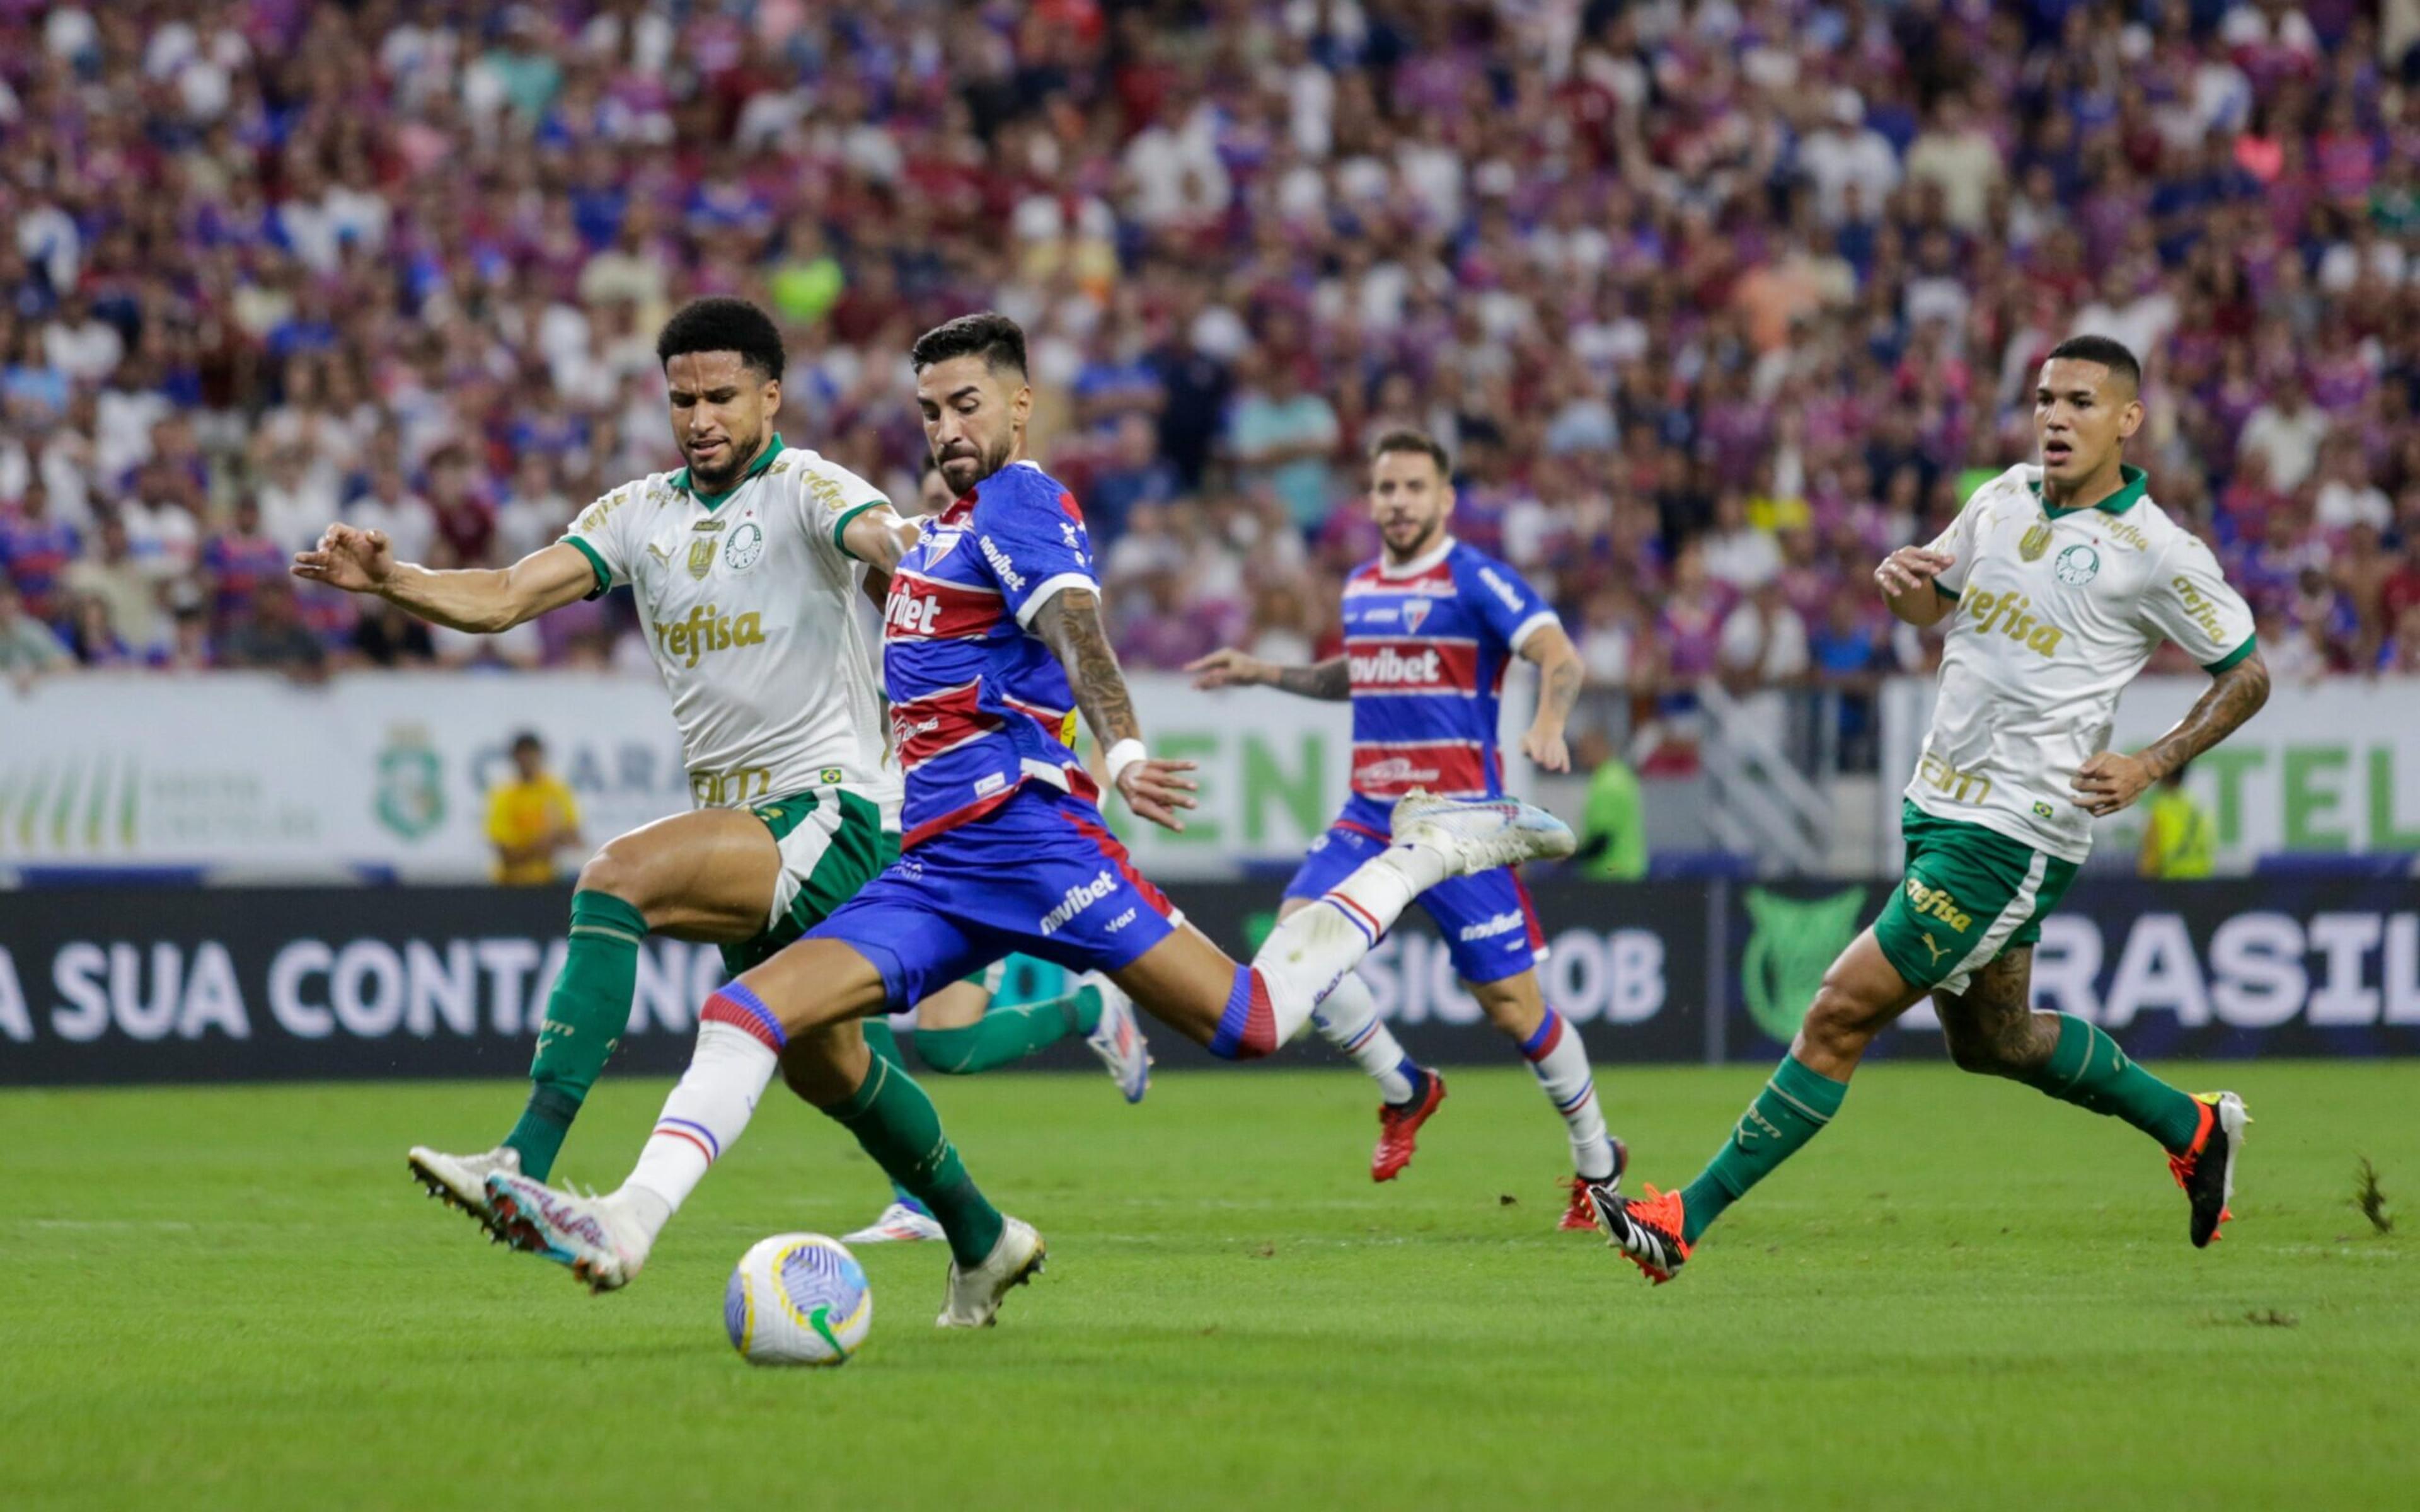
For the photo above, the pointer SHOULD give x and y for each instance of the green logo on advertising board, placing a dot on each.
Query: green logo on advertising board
(1790, 943)
(410, 783)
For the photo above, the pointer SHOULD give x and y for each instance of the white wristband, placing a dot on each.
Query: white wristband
(1123, 755)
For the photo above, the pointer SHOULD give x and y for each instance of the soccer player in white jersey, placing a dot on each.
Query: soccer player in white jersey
(2056, 583)
(745, 563)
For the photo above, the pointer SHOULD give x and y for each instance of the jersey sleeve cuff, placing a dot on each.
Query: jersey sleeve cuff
(595, 564)
(1049, 589)
(2223, 663)
(1945, 590)
(1535, 623)
(841, 525)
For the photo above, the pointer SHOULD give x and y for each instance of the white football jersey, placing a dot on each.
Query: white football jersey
(2053, 617)
(749, 605)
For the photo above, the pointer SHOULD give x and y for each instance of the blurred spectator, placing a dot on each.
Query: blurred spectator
(2286, 432)
(129, 592)
(2178, 833)
(271, 637)
(389, 636)
(532, 819)
(1282, 435)
(27, 647)
(36, 552)
(1613, 820)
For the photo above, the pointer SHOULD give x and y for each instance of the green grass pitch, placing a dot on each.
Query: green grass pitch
(1962, 1296)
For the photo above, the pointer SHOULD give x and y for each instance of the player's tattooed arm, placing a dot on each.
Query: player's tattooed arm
(480, 601)
(1560, 673)
(1070, 625)
(2109, 782)
(1330, 680)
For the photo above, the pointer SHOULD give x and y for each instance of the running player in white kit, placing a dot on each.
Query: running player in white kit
(745, 563)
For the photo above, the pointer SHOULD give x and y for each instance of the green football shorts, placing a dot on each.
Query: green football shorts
(1969, 894)
(832, 844)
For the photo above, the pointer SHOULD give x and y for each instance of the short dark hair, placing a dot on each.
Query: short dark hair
(988, 334)
(2108, 351)
(722, 324)
(1404, 439)
(527, 739)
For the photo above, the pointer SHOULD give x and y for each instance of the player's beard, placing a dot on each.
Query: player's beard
(984, 464)
(721, 480)
(1420, 544)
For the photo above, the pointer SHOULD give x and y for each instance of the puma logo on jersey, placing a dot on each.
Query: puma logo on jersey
(2010, 614)
(1935, 903)
(1938, 950)
(686, 640)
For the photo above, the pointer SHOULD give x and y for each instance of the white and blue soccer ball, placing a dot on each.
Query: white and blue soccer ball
(798, 1299)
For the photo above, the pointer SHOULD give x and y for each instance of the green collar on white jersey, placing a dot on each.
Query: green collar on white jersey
(712, 500)
(2129, 494)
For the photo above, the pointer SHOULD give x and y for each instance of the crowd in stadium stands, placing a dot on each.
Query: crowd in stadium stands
(1714, 302)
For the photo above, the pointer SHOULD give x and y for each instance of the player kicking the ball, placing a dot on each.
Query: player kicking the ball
(745, 563)
(2057, 581)
(992, 642)
(1429, 628)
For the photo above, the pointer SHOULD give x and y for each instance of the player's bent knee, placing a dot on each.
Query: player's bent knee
(615, 872)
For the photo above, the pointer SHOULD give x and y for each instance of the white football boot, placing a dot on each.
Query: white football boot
(899, 1225)
(974, 1296)
(596, 1237)
(1481, 836)
(1117, 1038)
(460, 1182)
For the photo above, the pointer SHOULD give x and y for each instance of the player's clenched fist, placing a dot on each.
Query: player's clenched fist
(1911, 567)
(356, 560)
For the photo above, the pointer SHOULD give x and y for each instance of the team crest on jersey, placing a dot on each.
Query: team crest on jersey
(746, 545)
(2077, 566)
(701, 557)
(939, 544)
(1415, 612)
(2035, 542)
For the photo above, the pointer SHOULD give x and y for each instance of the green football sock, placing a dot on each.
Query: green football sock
(885, 1045)
(2089, 1071)
(1793, 1107)
(584, 1018)
(896, 1124)
(1004, 1035)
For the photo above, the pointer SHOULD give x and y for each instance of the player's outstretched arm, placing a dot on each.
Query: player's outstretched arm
(878, 537)
(1559, 676)
(482, 601)
(2109, 782)
(1905, 578)
(1070, 625)
(1226, 666)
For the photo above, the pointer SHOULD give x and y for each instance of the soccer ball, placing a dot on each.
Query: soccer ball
(798, 1299)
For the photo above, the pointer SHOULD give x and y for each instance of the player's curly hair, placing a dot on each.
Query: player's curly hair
(988, 334)
(724, 324)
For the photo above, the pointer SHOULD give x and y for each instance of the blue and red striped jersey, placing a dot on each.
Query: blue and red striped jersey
(979, 705)
(1428, 643)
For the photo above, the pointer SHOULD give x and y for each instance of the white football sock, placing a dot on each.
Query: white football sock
(1347, 1018)
(705, 1115)
(1555, 1054)
(1312, 949)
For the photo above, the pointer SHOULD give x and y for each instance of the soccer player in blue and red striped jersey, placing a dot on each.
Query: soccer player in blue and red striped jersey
(1429, 628)
(992, 645)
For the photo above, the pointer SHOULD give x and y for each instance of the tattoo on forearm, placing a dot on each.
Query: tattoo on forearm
(2233, 696)
(1070, 626)
(1331, 679)
(1562, 690)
